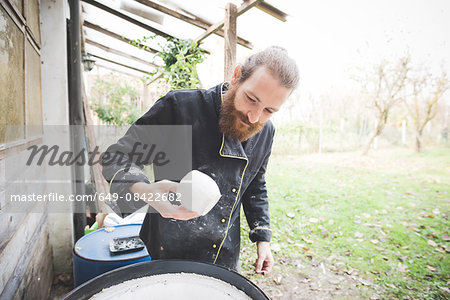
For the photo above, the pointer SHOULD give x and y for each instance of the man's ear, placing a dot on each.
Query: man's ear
(236, 74)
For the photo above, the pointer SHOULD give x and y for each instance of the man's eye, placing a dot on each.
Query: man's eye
(251, 100)
(269, 111)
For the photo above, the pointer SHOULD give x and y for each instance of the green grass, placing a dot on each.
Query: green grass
(381, 217)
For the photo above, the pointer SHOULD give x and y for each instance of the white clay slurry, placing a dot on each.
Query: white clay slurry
(186, 286)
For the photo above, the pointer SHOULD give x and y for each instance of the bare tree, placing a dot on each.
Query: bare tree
(422, 104)
(384, 88)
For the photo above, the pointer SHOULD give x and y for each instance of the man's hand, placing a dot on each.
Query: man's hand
(164, 207)
(264, 262)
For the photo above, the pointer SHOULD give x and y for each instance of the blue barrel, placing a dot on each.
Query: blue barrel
(91, 255)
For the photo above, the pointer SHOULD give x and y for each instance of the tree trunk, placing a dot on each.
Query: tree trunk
(367, 148)
(418, 140)
(378, 130)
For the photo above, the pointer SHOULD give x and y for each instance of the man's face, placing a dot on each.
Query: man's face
(248, 105)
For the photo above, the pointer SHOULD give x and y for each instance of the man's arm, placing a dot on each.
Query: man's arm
(123, 163)
(121, 173)
(122, 167)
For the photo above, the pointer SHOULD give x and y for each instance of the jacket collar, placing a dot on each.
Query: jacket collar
(219, 90)
(232, 148)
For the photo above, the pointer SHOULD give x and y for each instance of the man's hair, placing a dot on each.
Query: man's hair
(277, 61)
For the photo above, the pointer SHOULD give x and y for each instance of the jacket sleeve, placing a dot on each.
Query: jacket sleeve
(121, 163)
(256, 205)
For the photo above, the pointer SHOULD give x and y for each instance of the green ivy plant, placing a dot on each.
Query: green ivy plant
(180, 58)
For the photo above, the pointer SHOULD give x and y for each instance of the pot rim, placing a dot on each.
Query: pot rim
(165, 266)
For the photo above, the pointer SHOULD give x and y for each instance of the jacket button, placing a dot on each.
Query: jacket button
(233, 190)
(214, 246)
(223, 220)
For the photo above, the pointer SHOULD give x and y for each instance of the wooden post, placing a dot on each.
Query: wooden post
(230, 38)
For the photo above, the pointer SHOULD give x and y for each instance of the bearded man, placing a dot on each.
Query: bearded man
(231, 142)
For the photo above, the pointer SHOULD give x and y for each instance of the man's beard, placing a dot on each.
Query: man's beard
(230, 118)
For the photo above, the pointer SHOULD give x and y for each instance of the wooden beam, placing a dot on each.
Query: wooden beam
(142, 11)
(118, 37)
(273, 11)
(156, 77)
(119, 14)
(101, 65)
(117, 63)
(83, 48)
(243, 42)
(196, 21)
(230, 40)
(247, 5)
(214, 28)
(117, 52)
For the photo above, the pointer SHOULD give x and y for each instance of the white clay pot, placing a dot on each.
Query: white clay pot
(198, 192)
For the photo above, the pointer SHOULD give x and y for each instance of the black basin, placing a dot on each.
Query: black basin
(138, 270)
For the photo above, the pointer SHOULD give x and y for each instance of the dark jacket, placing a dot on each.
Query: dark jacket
(238, 169)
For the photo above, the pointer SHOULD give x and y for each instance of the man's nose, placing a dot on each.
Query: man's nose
(254, 115)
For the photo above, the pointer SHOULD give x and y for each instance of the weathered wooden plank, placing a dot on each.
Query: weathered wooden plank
(230, 40)
(13, 214)
(118, 37)
(37, 280)
(104, 66)
(273, 11)
(16, 254)
(119, 64)
(83, 48)
(117, 52)
(19, 146)
(100, 183)
(2, 187)
(214, 28)
(123, 16)
(9, 223)
(196, 21)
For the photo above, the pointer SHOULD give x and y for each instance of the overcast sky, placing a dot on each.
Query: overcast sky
(330, 39)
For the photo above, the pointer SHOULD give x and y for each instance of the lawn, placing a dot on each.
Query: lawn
(357, 226)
